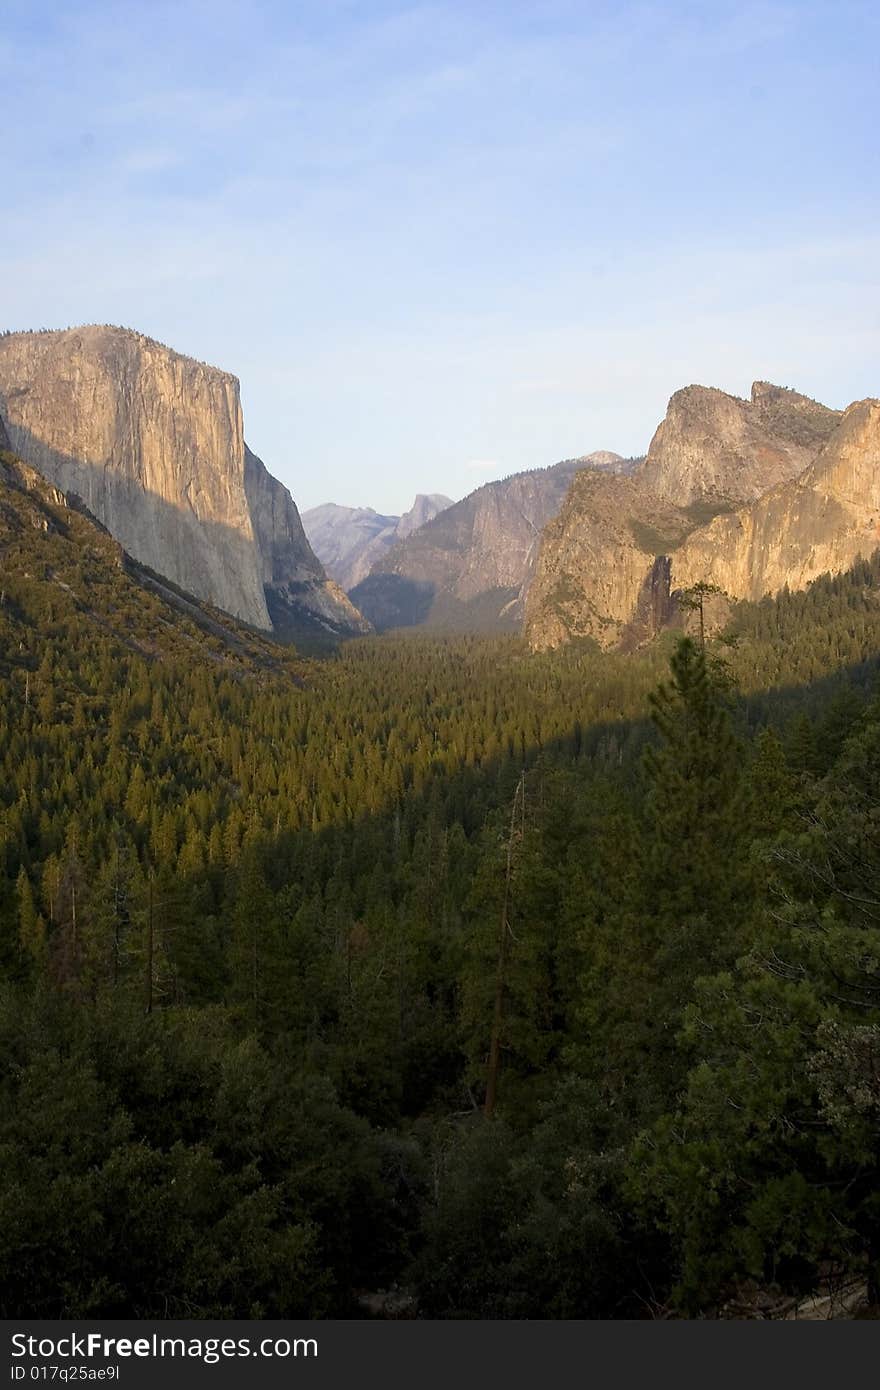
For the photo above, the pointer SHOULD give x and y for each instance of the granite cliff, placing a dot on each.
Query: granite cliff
(596, 570)
(749, 495)
(57, 560)
(817, 523)
(297, 590)
(471, 566)
(713, 447)
(350, 540)
(153, 442)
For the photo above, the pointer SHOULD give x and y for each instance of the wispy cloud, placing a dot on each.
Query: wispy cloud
(150, 161)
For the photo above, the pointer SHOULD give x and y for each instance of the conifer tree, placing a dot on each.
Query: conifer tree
(31, 927)
(696, 835)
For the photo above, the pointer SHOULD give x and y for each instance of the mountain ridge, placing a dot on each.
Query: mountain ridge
(714, 445)
(820, 522)
(470, 566)
(350, 540)
(600, 575)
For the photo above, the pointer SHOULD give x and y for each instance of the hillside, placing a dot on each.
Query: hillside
(249, 946)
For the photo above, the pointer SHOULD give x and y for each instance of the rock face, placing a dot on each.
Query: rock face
(819, 522)
(620, 548)
(471, 566)
(597, 557)
(44, 535)
(297, 590)
(154, 444)
(4, 437)
(426, 506)
(712, 447)
(347, 540)
(350, 540)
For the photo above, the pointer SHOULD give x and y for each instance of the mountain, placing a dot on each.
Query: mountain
(715, 447)
(426, 506)
(347, 540)
(60, 566)
(154, 444)
(596, 572)
(470, 567)
(350, 540)
(692, 510)
(818, 523)
(299, 596)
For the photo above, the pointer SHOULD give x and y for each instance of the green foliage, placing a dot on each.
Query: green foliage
(249, 937)
(766, 1170)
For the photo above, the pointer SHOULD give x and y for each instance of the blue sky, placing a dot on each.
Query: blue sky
(440, 243)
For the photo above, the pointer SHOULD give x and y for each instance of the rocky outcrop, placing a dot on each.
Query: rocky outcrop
(609, 462)
(349, 541)
(426, 506)
(4, 437)
(471, 566)
(714, 448)
(817, 523)
(619, 550)
(596, 577)
(298, 593)
(154, 444)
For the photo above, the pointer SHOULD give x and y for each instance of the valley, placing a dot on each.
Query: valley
(407, 971)
(439, 687)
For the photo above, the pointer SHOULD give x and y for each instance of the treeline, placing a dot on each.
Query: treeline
(258, 939)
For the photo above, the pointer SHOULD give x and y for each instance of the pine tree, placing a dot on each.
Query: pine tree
(696, 795)
(31, 927)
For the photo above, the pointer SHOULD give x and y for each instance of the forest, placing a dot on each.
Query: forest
(523, 986)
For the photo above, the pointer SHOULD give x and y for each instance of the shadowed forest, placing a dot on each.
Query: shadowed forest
(523, 986)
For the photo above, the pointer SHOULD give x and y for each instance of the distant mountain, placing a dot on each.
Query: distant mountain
(747, 495)
(154, 444)
(350, 540)
(426, 506)
(470, 567)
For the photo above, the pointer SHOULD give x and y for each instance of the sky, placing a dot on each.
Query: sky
(440, 243)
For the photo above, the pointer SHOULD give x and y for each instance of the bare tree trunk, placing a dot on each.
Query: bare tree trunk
(116, 912)
(149, 1008)
(255, 973)
(494, 1065)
